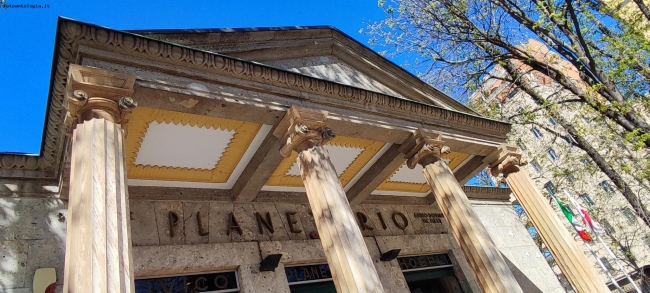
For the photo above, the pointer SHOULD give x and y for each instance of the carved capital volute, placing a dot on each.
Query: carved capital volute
(93, 93)
(505, 160)
(302, 129)
(423, 147)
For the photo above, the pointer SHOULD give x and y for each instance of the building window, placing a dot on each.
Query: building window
(520, 110)
(536, 132)
(606, 263)
(606, 187)
(521, 145)
(550, 188)
(536, 166)
(646, 240)
(608, 228)
(587, 199)
(512, 93)
(552, 154)
(585, 162)
(570, 178)
(570, 140)
(629, 215)
(552, 121)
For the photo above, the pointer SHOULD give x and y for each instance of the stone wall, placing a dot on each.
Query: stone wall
(526, 262)
(32, 234)
(223, 222)
(33, 227)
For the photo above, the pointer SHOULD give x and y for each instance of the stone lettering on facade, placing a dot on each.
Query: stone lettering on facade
(202, 232)
(429, 218)
(233, 225)
(291, 221)
(363, 221)
(402, 222)
(260, 222)
(173, 222)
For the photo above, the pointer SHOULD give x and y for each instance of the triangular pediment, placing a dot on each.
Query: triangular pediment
(321, 52)
(332, 68)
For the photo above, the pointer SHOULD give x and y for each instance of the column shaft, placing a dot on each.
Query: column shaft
(98, 242)
(491, 269)
(569, 257)
(348, 257)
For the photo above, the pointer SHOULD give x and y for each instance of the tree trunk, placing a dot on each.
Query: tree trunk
(638, 207)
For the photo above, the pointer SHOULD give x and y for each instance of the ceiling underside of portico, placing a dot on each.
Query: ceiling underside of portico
(173, 149)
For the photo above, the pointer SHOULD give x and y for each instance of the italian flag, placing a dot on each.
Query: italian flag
(573, 220)
(589, 222)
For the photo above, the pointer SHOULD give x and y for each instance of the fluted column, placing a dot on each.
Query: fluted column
(491, 269)
(347, 255)
(566, 252)
(98, 241)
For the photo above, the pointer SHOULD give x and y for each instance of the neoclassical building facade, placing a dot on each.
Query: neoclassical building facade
(264, 160)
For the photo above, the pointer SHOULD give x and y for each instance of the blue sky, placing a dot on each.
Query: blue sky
(27, 41)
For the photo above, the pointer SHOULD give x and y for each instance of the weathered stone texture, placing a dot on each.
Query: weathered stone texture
(13, 263)
(256, 281)
(143, 222)
(31, 218)
(219, 221)
(163, 209)
(151, 261)
(244, 257)
(192, 210)
(390, 274)
(32, 236)
(526, 262)
(295, 252)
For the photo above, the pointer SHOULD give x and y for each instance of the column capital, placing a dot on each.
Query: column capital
(505, 160)
(423, 147)
(302, 129)
(97, 93)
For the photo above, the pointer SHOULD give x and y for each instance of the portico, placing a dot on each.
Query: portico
(186, 160)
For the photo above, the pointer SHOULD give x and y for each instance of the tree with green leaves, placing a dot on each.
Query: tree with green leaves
(457, 44)
(590, 75)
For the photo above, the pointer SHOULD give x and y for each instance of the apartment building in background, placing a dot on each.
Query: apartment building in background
(556, 163)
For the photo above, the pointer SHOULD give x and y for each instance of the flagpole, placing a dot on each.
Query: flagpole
(602, 265)
(611, 254)
(627, 276)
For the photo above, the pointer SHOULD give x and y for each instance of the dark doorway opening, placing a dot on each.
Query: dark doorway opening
(441, 280)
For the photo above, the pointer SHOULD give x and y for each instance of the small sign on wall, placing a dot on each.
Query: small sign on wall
(44, 280)
(209, 282)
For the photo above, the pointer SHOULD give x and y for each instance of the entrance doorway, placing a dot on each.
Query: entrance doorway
(440, 280)
(429, 274)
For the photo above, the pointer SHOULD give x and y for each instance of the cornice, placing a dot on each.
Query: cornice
(230, 66)
(71, 34)
(487, 193)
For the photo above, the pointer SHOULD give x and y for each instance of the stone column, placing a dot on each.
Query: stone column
(566, 252)
(98, 241)
(352, 268)
(492, 272)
